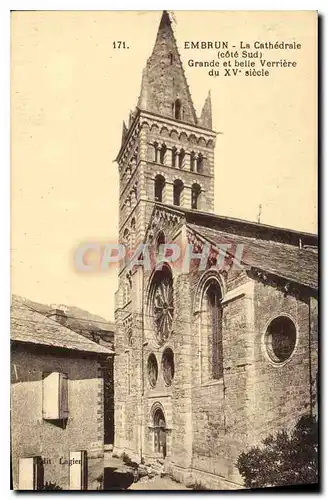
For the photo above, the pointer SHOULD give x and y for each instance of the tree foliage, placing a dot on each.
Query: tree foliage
(283, 459)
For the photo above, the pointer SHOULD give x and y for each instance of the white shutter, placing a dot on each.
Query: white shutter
(55, 396)
(78, 470)
(28, 473)
(50, 395)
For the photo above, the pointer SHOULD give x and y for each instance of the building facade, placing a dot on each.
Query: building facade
(209, 360)
(57, 404)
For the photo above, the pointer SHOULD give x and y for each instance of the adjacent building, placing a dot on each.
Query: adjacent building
(57, 404)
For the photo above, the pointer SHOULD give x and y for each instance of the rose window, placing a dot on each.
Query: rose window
(162, 304)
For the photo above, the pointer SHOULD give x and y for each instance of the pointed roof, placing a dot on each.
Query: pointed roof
(163, 80)
(206, 114)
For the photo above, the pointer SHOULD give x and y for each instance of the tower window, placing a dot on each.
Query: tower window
(181, 158)
(159, 187)
(162, 154)
(156, 149)
(177, 191)
(192, 161)
(195, 196)
(177, 108)
(171, 58)
(200, 162)
(174, 156)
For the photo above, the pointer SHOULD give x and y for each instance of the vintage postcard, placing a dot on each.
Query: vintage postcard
(164, 250)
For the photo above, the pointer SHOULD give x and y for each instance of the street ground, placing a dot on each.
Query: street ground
(119, 476)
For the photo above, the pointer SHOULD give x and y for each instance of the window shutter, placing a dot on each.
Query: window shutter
(63, 395)
(55, 396)
(50, 396)
(78, 474)
(29, 473)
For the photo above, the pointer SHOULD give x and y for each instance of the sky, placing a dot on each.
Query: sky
(71, 91)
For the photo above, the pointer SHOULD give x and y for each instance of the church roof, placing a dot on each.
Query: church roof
(279, 259)
(286, 253)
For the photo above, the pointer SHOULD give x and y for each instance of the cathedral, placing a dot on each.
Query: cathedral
(208, 361)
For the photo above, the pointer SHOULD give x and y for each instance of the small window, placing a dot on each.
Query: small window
(160, 240)
(195, 196)
(162, 154)
(171, 58)
(200, 163)
(168, 366)
(181, 158)
(192, 161)
(78, 473)
(55, 396)
(177, 192)
(159, 187)
(174, 157)
(177, 109)
(280, 338)
(156, 149)
(152, 368)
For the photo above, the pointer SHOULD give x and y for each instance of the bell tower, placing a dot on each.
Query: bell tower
(166, 157)
(167, 152)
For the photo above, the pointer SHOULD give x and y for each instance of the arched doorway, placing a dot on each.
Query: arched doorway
(159, 432)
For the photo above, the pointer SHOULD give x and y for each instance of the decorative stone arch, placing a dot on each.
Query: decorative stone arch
(208, 275)
(174, 135)
(183, 137)
(208, 311)
(201, 141)
(154, 129)
(192, 139)
(210, 143)
(164, 132)
(145, 125)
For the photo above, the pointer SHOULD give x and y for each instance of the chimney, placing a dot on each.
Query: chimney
(58, 315)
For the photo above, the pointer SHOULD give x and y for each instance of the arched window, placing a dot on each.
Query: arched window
(159, 187)
(214, 314)
(152, 368)
(162, 154)
(177, 109)
(168, 366)
(160, 240)
(174, 157)
(195, 196)
(171, 58)
(181, 158)
(156, 149)
(192, 161)
(177, 191)
(200, 163)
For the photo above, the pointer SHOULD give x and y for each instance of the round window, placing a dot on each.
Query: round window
(162, 304)
(280, 339)
(152, 368)
(168, 366)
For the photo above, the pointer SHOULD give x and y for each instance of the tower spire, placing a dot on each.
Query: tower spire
(164, 83)
(206, 114)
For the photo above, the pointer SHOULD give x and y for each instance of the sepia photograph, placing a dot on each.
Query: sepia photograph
(164, 250)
